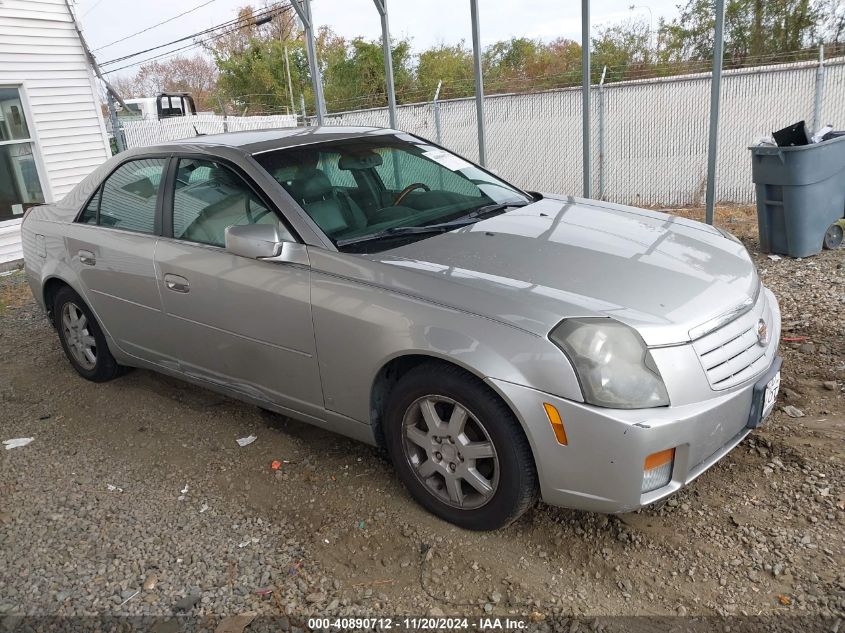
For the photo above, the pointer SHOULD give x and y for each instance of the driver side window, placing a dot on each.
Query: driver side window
(208, 197)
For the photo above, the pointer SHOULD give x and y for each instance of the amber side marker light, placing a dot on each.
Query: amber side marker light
(557, 423)
(657, 469)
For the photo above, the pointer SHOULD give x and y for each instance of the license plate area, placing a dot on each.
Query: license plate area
(765, 395)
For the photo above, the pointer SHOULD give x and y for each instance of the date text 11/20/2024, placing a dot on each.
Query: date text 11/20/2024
(420, 623)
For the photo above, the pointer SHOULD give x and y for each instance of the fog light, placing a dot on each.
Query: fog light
(657, 470)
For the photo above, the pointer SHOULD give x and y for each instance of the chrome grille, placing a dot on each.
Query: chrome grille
(731, 354)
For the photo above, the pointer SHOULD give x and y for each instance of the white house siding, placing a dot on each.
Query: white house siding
(40, 52)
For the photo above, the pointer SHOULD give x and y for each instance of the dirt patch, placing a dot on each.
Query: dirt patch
(14, 295)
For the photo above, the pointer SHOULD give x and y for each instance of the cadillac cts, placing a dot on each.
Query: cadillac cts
(500, 344)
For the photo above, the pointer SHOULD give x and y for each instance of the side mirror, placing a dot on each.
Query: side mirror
(263, 241)
(253, 240)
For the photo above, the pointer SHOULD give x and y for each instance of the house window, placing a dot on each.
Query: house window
(20, 187)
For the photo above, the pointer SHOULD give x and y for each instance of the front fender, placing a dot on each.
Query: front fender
(360, 327)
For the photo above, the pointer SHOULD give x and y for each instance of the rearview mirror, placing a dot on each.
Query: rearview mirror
(263, 241)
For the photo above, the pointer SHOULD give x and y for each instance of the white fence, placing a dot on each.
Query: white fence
(142, 132)
(649, 137)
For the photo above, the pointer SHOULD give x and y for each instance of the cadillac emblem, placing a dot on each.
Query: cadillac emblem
(762, 333)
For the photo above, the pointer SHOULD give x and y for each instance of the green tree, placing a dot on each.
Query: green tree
(752, 28)
(521, 64)
(450, 64)
(253, 79)
(625, 48)
(354, 73)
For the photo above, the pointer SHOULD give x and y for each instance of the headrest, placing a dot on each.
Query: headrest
(224, 177)
(364, 159)
(310, 185)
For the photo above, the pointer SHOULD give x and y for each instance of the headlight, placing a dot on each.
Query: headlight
(613, 364)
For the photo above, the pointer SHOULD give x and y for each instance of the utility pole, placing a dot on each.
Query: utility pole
(111, 94)
(283, 42)
(290, 84)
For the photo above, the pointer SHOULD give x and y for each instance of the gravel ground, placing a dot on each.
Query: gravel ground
(134, 498)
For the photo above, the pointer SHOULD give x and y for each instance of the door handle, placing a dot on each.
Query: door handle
(87, 258)
(176, 283)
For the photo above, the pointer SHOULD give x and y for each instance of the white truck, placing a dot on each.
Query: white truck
(164, 106)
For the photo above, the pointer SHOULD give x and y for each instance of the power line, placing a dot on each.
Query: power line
(149, 28)
(252, 20)
(94, 6)
(269, 13)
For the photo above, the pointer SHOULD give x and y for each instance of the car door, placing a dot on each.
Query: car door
(111, 248)
(238, 322)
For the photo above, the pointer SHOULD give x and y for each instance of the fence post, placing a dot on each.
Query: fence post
(223, 112)
(601, 133)
(479, 83)
(715, 93)
(585, 96)
(381, 6)
(302, 105)
(817, 110)
(303, 10)
(436, 106)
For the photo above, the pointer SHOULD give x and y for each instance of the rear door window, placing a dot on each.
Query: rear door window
(128, 199)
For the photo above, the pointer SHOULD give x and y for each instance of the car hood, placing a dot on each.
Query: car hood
(568, 257)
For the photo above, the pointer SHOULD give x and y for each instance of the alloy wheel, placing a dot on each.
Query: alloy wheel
(80, 341)
(450, 452)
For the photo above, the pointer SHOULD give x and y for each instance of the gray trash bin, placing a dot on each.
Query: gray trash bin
(800, 194)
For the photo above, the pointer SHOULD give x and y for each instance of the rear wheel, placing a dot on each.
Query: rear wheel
(82, 339)
(459, 449)
(833, 236)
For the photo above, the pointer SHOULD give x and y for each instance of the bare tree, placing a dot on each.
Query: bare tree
(196, 75)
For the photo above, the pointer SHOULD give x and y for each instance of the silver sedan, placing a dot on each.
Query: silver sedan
(500, 344)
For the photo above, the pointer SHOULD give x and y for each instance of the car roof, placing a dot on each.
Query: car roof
(256, 141)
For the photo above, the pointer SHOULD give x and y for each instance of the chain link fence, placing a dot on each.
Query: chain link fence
(649, 137)
(143, 132)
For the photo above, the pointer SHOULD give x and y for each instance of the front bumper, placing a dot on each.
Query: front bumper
(601, 467)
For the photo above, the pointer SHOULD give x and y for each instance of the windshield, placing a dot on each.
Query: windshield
(367, 194)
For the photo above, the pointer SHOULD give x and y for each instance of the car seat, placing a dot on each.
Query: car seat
(334, 211)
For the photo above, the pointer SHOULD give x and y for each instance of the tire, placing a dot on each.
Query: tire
(833, 236)
(83, 341)
(445, 395)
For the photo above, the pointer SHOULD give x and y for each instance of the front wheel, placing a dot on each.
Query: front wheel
(459, 449)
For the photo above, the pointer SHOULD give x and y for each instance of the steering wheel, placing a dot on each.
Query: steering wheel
(409, 189)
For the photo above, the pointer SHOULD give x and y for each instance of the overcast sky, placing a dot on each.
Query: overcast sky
(426, 22)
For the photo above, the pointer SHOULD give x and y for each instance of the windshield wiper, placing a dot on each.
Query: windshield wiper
(493, 208)
(442, 227)
(399, 231)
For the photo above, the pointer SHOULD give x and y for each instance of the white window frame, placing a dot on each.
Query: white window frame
(34, 142)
